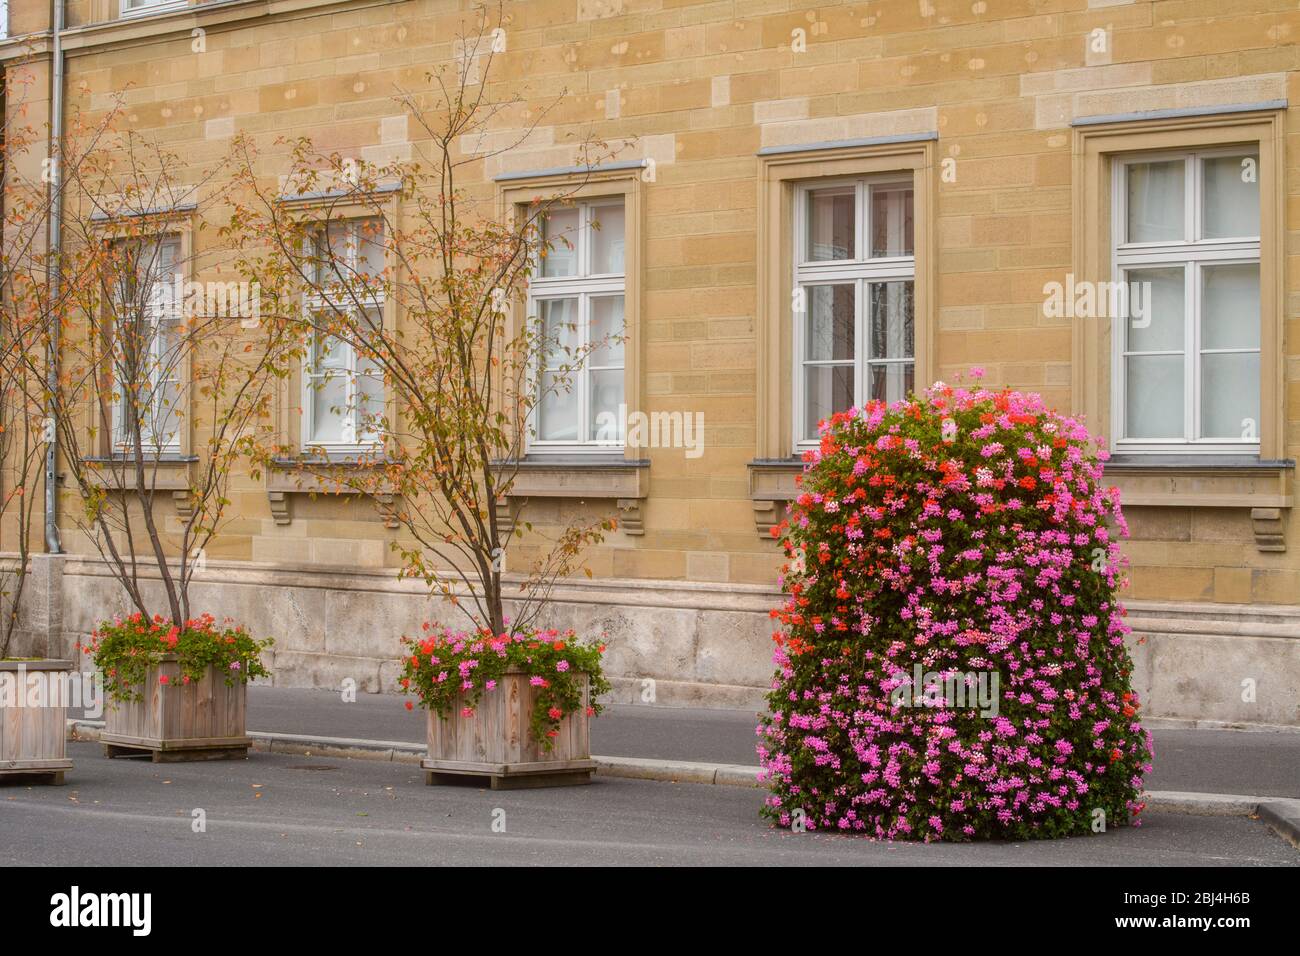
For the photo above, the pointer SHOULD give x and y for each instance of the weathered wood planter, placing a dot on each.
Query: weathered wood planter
(33, 739)
(202, 720)
(496, 744)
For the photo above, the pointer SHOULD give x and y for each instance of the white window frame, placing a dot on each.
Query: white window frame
(585, 286)
(160, 305)
(359, 443)
(143, 8)
(862, 272)
(1192, 254)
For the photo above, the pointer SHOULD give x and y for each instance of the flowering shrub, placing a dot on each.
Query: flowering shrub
(449, 669)
(124, 650)
(946, 543)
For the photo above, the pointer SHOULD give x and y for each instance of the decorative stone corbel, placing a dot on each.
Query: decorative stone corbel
(388, 511)
(184, 504)
(773, 483)
(1270, 528)
(505, 518)
(280, 509)
(630, 519)
(766, 514)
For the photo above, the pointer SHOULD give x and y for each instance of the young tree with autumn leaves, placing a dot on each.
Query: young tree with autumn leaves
(163, 383)
(409, 285)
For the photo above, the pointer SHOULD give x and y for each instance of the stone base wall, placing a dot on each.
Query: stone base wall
(669, 643)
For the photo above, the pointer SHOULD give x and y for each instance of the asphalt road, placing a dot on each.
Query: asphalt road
(1197, 761)
(278, 809)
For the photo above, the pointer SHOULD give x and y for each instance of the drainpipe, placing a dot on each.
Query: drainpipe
(52, 543)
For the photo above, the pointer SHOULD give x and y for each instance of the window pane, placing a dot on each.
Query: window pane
(560, 231)
(891, 382)
(169, 349)
(892, 325)
(163, 262)
(557, 410)
(1155, 396)
(328, 406)
(891, 221)
(1155, 201)
(159, 414)
(370, 247)
(830, 323)
(607, 240)
(827, 389)
(606, 397)
(1157, 315)
(370, 402)
(559, 329)
(338, 236)
(1230, 395)
(831, 224)
(606, 330)
(1230, 306)
(330, 354)
(1230, 201)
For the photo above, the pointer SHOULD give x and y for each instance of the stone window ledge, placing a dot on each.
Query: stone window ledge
(166, 474)
(1262, 486)
(1202, 481)
(1174, 481)
(284, 480)
(624, 480)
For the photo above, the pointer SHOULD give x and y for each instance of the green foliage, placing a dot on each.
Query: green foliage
(125, 649)
(448, 668)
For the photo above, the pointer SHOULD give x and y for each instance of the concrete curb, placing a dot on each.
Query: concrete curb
(1182, 723)
(1280, 813)
(1201, 804)
(678, 771)
(404, 751)
(1284, 817)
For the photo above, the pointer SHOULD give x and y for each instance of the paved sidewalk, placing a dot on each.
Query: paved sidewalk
(1260, 763)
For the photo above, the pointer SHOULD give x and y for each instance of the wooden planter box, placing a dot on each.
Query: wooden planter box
(33, 740)
(497, 746)
(202, 720)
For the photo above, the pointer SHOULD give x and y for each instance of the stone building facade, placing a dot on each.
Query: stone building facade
(936, 183)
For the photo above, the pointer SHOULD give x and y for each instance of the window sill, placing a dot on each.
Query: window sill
(1210, 481)
(582, 476)
(284, 479)
(1170, 481)
(167, 472)
(1206, 481)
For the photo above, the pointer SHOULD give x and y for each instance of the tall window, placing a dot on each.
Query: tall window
(148, 352)
(343, 393)
(576, 294)
(855, 267)
(1187, 348)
